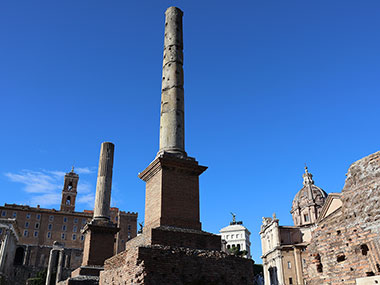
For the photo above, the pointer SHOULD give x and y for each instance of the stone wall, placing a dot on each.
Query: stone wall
(346, 245)
(169, 265)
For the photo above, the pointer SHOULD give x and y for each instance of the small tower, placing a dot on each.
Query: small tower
(69, 192)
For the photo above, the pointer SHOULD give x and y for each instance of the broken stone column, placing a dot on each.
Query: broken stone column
(172, 135)
(104, 182)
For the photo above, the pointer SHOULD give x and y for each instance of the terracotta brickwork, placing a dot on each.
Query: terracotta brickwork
(172, 192)
(168, 265)
(346, 245)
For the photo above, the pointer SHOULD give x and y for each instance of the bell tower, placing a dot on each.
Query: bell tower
(69, 192)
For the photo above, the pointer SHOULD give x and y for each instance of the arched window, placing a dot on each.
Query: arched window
(68, 201)
(19, 256)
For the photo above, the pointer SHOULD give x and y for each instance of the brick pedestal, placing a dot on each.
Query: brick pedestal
(99, 242)
(98, 246)
(172, 192)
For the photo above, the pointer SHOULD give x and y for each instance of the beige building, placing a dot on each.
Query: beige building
(283, 246)
(40, 227)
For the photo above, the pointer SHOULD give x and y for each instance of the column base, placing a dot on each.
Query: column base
(99, 242)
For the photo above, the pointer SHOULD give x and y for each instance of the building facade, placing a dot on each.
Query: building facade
(283, 247)
(39, 228)
(335, 239)
(236, 236)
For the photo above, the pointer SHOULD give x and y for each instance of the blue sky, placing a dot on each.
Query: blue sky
(269, 86)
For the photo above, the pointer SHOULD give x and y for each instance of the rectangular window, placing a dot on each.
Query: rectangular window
(64, 227)
(304, 262)
(1, 230)
(26, 233)
(28, 216)
(129, 227)
(117, 218)
(82, 237)
(75, 229)
(3, 213)
(74, 236)
(306, 217)
(51, 218)
(64, 219)
(14, 214)
(290, 281)
(49, 235)
(50, 226)
(37, 226)
(62, 236)
(289, 265)
(26, 224)
(38, 216)
(35, 233)
(84, 221)
(75, 220)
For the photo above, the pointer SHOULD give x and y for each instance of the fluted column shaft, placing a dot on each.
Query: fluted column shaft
(172, 135)
(104, 182)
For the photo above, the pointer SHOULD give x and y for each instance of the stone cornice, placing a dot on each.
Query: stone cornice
(187, 166)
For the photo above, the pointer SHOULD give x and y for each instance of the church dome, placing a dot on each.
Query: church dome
(308, 202)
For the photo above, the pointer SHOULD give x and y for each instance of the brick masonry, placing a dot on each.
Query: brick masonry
(346, 245)
(169, 265)
(172, 192)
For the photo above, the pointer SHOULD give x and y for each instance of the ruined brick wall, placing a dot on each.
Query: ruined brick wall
(346, 244)
(168, 265)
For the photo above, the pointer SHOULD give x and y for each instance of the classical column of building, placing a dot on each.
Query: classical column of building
(61, 256)
(3, 249)
(55, 252)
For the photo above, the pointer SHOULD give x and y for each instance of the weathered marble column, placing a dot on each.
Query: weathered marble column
(60, 265)
(104, 182)
(172, 135)
(52, 257)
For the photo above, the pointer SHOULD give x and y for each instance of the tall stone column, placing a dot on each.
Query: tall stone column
(104, 182)
(172, 179)
(100, 232)
(172, 134)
